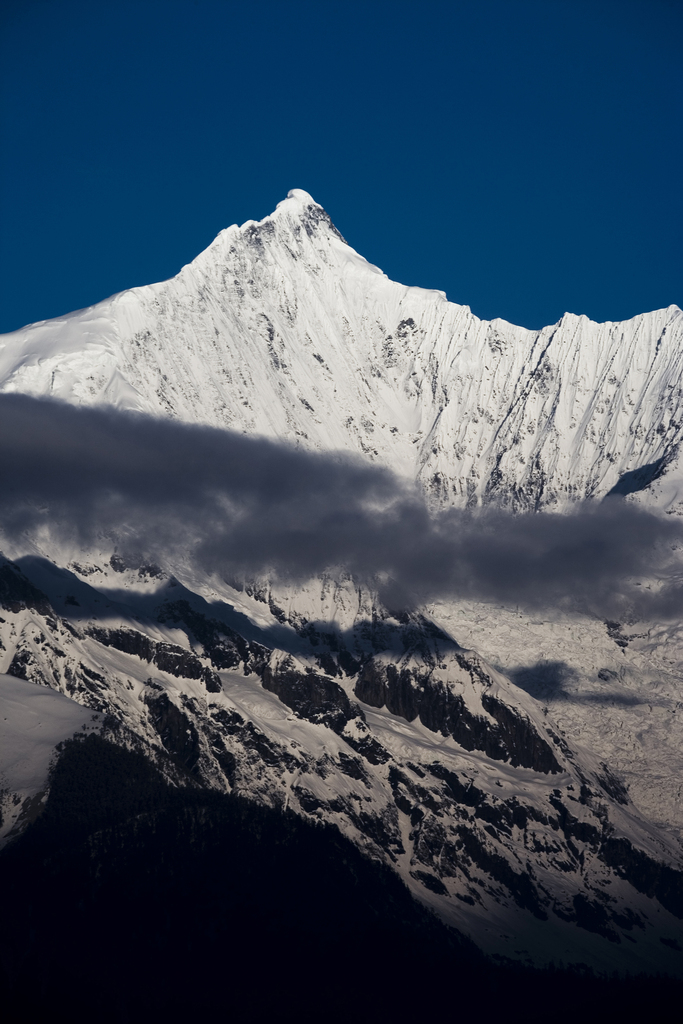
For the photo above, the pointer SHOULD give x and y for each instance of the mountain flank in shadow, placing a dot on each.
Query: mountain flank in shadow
(131, 900)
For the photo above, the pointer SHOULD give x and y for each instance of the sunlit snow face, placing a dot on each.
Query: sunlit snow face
(241, 504)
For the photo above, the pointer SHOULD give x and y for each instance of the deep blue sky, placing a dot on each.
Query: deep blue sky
(525, 156)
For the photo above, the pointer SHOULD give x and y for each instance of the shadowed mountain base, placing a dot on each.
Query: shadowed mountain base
(130, 900)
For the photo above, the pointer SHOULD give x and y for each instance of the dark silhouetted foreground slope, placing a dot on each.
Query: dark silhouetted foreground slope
(131, 900)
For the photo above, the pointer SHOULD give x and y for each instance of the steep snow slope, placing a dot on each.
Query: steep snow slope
(280, 328)
(33, 722)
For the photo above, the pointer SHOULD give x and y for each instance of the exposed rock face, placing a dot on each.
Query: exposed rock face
(322, 701)
(405, 692)
(654, 879)
(312, 695)
(225, 647)
(176, 731)
(16, 592)
(170, 658)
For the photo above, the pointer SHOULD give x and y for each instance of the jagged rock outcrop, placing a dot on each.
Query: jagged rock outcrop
(411, 694)
(177, 661)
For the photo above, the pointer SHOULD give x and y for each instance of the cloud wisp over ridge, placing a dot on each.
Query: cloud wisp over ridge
(241, 505)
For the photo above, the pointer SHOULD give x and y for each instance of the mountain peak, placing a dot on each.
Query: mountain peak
(300, 206)
(280, 329)
(299, 195)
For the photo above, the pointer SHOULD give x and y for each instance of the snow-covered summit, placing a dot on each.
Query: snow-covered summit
(280, 328)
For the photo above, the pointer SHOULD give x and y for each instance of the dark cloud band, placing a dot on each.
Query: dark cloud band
(239, 504)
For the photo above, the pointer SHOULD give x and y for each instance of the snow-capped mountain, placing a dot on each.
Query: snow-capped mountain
(495, 782)
(280, 328)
